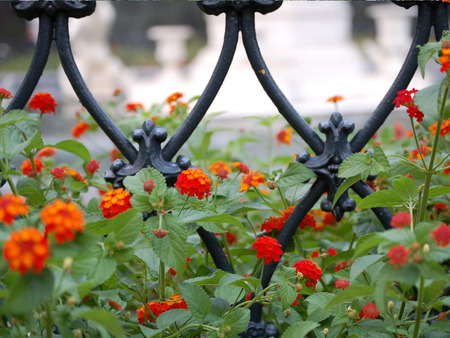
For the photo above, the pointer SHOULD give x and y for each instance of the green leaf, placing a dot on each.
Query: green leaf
(381, 159)
(212, 279)
(361, 264)
(422, 230)
(427, 99)
(136, 183)
(150, 259)
(73, 147)
(193, 216)
(404, 236)
(288, 295)
(171, 249)
(438, 191)
(103, 318)
(104, 270)
(197, 300)
(167, 318)
(34, 142)
(382, 198)
(300, 329)
(316, 302)
(246, 207)
(236, 321)
(366, 243)
(355, 164)
(426, 52)
(13, 117)
(348, 182)
(406, 188)
(295, 174)
(351, 292)
(30, 189)
(28, 292)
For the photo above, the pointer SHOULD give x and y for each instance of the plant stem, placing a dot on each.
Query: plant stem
(341, 330)
(282, 198)
(352, 241)
(267, 202)
(298, 244)
(162, 280)
(419, 308)
(48, 320)
(192, 326)
(184, 204)
(402, 309)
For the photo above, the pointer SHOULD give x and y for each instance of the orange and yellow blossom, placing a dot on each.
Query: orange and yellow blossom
(253, 179)
(63, 220)
(284, 136)
(12, 206)
(25, 250)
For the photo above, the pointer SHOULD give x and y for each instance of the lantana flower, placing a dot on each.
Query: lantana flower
(401, 219)
(284, 136)
(194, 182)
(92, 167)
(398, 254)
(416, 155)
(25, 250)
(444, 56)
(115, 202)
(341, 284)
(5, 94)
(310, 270)
(445, 128)
(369, 311)
(134, 107)
(253, 179)
(46, 152)
(156, 307)
(219, 165)
(63, 220)
(441, 235)
(406, 98)
(268, 248)
(27, 168)
(79, 129)
(242, 167)
(12, 206)
(43, 102)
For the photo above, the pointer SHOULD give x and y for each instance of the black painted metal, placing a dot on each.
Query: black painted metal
(239, 16)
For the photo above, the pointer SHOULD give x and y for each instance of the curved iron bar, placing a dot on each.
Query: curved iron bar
(40, 57)
(212, 88)
(84, 94)
(385, 107)
(286, 234)
(440, 19)
(215, 250)
(271, 88)
(383, 214)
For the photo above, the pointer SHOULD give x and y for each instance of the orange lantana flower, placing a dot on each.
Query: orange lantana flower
(284, 136)
(134, 107)
(444, 56)
(27, 168)
(12, 206)
(416, 155)
(194, 182)
(63, 220)
(253, 179)
(75, 175)
(80, 128)
(26, 249)
(115, 202)
(445, 128)
(219, 165)
(44, 102)
(46, 152)
(156, 307)
(335, 98)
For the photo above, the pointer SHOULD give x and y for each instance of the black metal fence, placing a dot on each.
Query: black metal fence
(240, 18)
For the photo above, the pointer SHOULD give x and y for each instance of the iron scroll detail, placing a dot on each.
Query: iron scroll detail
(33, 9)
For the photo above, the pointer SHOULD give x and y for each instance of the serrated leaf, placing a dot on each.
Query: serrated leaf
(136, 183)
(167, 318)
(103, 270)
(382, 198)
(438, 191)
(426, 52)
(316, 302)
(212, 279)
(295, 174)
(28, 291)
(220, 218)
(422, 230)
(236, 321)
(351, 292)
(380, 157)
(361, 264)
(300, 329)
(30, 189)
(354, 165)
(246, 207)
(366, 243)
(13, 117)
(150, 259)
(348, 182)
(197, 300)
(406, 188)
(427, 100)
(73, 147)
(288, 295)
(103, 318)
(404, 235)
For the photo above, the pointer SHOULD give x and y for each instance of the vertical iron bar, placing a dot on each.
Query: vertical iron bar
(385, 107)
(83, 93)
(271, 88)
(215, 250)
(440, 19)
(40, 57)
(286, 234)
(212, 88)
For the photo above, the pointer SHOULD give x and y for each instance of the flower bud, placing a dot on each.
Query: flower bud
(426, 248)
(271, 185)
(299, 275)
(416, 246)
(325, 331)
(160, 233)
(417, 257)
(298, 287)
(391, 305)
(78, 333)
(68, 199)
(120, 245)
(287, 313)
(395, 316)
(149, 186)
(227, 329)
(71, 300)
(67, 264)
(127, 316)
(352, 314)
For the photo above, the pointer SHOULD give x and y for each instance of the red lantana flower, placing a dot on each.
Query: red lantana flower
(369, 311)
(5, 94)
(268, 248)
(58, 173)
(79, 129)
(398, 254)
(115, 202)
(332, 252)
(134, 107)
(315, 254)
(27, 168)
(441, 235)
(92, 167)
(406, 98)
(156, 307)
(341, 284)
(415, 155)
(343, 265)
(12, 206)
(284, 136)
(242, 167)
(46, 152)
(114, 305)
(194, 182)
(43, 102)
(216, 166)
(401, 219)
(310, 270)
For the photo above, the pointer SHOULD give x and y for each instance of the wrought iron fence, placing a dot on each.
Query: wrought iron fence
(240, 18)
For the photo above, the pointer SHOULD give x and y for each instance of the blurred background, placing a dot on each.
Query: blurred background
(151, 49)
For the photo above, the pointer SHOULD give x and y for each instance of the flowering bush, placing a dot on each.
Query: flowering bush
(131, 263)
